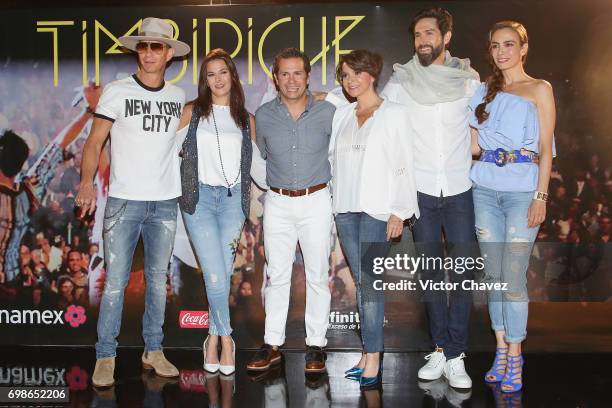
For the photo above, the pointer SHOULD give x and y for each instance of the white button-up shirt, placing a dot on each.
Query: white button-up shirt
(442, 155)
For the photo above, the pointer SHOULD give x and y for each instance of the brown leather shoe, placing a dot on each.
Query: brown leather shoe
(265, 357)
(267, 377)
(315, 360)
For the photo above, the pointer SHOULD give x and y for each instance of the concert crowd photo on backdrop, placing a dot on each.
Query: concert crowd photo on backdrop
(288, 203)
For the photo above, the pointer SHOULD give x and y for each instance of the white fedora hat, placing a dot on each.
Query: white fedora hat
(155, 29)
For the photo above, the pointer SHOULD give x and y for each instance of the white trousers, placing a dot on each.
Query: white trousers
(287, 220)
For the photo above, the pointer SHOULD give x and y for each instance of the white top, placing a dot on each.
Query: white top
(230, 141)
(386, 183)
(350, 151)
(442, 156)
(145, 164)
(209, 165)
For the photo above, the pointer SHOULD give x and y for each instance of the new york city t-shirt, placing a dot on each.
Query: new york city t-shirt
(145, 164)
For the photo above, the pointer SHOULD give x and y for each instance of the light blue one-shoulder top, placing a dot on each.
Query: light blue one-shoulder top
(512, 124)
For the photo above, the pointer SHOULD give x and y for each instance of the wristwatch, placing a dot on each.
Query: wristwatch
(539, 195)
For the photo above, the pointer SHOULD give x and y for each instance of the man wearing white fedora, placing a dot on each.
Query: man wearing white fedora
(142, 114)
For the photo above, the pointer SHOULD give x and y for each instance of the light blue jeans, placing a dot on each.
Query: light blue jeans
(506, 243)
(124, 222)
(214, 229)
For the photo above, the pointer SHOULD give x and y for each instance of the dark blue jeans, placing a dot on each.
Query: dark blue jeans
(449, 314)
(357, 233)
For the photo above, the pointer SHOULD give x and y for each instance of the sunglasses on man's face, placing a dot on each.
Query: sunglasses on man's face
(155, 47)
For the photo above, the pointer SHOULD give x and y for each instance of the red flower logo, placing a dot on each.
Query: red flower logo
(75, 315)
(77, 378)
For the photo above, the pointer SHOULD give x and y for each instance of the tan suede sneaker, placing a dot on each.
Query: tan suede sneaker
(103, 375)
(155, 360)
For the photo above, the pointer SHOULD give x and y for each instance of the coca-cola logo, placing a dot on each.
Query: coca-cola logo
(192, 380)
(193, 319)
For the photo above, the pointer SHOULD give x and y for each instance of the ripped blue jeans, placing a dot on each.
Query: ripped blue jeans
(505, 243)
(214, 229)
(124, 222)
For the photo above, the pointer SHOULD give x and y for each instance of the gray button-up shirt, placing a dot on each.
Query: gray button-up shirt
(295, 151)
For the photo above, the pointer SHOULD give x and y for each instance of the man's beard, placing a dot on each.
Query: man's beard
(427, 59)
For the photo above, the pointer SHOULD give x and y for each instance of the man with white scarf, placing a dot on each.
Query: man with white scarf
(437, 87)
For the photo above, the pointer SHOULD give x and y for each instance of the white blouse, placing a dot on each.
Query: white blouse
(230, 141)
(385, 174)
(350, 149)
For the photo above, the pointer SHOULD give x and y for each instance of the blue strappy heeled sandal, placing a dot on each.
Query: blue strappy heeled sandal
(498, 369)
(513, 399)
(513, 379)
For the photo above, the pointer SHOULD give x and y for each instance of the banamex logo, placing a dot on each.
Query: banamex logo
(193, 319)
(74, 316)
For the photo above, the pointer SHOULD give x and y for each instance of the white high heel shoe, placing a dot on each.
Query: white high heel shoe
(229, 369)
(211, 368)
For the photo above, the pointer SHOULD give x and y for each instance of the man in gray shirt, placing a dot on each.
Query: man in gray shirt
(293, 133)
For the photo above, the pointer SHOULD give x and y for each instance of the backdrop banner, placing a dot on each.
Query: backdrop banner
(51, 262)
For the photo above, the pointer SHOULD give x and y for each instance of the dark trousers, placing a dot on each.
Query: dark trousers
(448, 313)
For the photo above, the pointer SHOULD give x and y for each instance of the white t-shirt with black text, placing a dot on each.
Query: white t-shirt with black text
(145, 165)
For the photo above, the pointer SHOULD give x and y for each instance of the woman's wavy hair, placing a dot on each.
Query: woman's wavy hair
(495, 82)
(237, 100)
(361, 61)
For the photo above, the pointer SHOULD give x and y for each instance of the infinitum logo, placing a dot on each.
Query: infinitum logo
(343, 321)
(74, 316)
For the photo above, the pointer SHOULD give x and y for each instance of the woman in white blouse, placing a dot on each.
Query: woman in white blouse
(374, 192)
(219, 158)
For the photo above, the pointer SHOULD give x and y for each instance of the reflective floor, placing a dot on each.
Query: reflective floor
(551, 380)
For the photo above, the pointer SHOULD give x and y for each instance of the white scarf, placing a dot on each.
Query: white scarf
(435, 83)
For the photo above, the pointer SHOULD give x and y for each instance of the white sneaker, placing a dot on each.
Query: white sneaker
(436, 389)
(456, 397)
(434, 367)
(454, 371)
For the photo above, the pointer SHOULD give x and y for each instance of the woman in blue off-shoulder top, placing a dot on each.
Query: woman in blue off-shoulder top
(512, 131)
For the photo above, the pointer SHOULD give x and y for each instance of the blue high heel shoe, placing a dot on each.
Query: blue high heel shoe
(371, 383)
(513, 379)
(353, 373)
(498, 369)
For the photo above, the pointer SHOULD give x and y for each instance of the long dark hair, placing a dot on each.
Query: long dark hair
(204, 99)
(495, 82)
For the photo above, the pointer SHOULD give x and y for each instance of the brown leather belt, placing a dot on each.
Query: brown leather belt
(299, 193)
